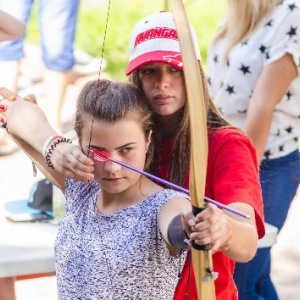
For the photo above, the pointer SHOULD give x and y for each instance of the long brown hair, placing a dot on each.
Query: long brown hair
(113, 101)
(180, 154)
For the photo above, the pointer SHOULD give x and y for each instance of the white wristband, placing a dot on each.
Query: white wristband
(48, 140)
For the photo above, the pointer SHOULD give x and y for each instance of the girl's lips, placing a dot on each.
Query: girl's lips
(112, 179)
(162, 98)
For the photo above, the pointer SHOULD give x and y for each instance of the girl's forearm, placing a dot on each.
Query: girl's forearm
(242, 234)
(26, 121)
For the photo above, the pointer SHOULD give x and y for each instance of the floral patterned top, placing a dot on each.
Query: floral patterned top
(114, 256)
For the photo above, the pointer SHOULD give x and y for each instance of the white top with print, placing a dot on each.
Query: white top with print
(231, 82)
(114, 256)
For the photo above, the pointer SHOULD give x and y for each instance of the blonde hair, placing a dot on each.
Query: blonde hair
(242, 19)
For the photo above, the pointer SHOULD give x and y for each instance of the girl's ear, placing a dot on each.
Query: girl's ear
(148, 140)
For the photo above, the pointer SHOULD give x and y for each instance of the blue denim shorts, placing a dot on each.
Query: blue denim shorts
(279, 179)
(57, 24)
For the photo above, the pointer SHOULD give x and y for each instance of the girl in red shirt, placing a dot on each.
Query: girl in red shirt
(156, 66)
(232, 171)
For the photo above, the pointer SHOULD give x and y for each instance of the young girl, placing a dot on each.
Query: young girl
(162, 81)
(232, 171)
(122, 232)
(253, 69)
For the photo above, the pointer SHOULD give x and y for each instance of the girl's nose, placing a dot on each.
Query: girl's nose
(111, 167)
(162, 81)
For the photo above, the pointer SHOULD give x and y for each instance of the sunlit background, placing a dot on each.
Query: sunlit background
(123, 14)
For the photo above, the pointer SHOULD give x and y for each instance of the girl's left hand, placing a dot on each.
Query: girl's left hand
(211, 226)
(5, 94)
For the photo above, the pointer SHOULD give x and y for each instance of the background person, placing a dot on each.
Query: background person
(253, 74)
(57, 26)
(10, 27)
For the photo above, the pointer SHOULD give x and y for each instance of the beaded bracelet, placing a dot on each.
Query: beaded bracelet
(51, 149)
(48, 140)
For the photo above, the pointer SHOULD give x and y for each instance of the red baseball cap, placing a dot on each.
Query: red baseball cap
(154, 39)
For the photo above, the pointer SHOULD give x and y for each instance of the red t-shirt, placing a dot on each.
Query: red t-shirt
(232, 176)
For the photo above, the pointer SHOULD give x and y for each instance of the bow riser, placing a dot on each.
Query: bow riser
(202, 260)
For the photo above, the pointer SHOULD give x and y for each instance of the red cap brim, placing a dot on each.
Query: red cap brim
(168, 57)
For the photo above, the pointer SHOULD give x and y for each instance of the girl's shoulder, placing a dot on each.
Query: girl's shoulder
(287, 6)
(161, 197)
(226, 133)
(76, 187)
(286, 14)
(167, 194)
(233, 141)
(79, 193)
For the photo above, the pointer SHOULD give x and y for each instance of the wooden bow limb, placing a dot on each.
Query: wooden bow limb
(202, 259)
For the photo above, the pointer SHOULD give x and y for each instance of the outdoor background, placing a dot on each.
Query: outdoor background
(204, 15)
(123, 14)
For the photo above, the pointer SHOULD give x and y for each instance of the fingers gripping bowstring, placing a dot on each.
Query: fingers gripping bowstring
(100, 70)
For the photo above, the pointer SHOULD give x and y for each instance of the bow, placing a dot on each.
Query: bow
(201, 255)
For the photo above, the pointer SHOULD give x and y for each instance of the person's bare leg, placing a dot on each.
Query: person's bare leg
(56, 84)
(7, 288)
(9, 74)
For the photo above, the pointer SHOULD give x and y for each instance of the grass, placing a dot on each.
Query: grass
(203, 15)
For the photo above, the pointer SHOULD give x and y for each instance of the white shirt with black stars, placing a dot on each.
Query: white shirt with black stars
(232, 82)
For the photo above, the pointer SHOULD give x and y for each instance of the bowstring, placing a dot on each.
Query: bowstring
(91, 133)
(99, 73)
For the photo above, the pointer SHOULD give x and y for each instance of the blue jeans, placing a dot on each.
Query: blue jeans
(57, 25)
(279, 180)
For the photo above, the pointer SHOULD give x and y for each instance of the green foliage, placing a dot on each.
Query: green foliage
(203, 15)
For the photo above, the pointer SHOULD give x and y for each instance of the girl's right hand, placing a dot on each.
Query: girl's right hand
(211, 226)
(69, 160)
(66, 158)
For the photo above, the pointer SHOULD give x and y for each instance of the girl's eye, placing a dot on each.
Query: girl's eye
(126, 150)
(146, 70)
(173, 69)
